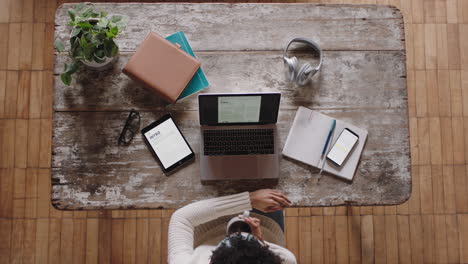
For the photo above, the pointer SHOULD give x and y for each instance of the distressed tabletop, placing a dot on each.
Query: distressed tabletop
(362, 81)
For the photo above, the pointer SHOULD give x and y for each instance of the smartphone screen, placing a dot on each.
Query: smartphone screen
(342, 147)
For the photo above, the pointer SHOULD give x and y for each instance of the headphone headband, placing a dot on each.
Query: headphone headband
(309, 43)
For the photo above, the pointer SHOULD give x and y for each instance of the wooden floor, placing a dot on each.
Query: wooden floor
(432, 227)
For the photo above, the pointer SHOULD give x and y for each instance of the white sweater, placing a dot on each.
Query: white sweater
(196, 229)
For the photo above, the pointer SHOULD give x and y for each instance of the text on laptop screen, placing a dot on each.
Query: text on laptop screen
(239, 109)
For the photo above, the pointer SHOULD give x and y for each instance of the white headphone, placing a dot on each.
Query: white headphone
(302, 75)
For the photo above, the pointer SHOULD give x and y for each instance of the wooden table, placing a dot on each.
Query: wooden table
(362, 81)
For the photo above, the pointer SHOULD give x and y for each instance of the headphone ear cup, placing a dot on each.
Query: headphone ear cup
(291, 68)
(303, 74)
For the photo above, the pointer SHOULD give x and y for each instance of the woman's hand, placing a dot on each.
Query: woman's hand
(268, 200)
(254, 224)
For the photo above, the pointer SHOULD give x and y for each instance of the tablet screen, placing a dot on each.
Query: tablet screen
(168, 143)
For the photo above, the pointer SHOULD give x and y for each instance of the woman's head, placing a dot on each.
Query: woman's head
(243, 248)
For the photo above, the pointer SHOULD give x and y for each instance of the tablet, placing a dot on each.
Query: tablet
(167, 143)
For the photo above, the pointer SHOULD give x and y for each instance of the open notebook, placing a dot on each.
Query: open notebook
(307, 136)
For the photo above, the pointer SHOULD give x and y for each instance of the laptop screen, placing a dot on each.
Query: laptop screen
(238, 109)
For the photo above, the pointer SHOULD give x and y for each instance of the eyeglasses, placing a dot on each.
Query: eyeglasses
(132, 124)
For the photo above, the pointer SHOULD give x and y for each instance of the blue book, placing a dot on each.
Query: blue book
(199, 80)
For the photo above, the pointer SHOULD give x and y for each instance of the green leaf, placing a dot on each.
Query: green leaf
(110, 35)
(103, 22)
(83, 41)
(66, 78)
(116, 19)
(72, 68)
(115, 50)
(72, 14)
(114, 31)
(59, 46)
(87, 13)
(84, 25)
(79, 7)
(103, 13)
(75, 32)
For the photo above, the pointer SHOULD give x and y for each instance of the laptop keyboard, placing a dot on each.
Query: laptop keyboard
(238, 142)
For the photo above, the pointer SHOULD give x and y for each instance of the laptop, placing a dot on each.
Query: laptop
(238, 136)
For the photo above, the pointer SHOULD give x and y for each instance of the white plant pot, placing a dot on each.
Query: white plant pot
(96, 66)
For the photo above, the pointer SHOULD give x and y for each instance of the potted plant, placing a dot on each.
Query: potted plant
(91, 40)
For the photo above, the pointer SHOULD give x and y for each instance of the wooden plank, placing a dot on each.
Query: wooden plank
(435, 140)
(463, 36)
(404, 241)
(414, 136)
(21, 143)
(429, 11)
(440, 239)
(305, 238)
(409, 41)
(324, 20)
(317, 242)
(27, 14)
(463, 237)
(43, 193)
(416, 236)
(17, 237)
(444, 92)
(425, 180)
(430, 46)
(461, 192)
(452, 16)
(129, 243)
(55, 232)
(458, 140)
(437, 189)
(7, 134)
(37, 81)
(154, 241)
(453, 245)
(11, 94)
(383, 67)
(455, 93)
(5, 11)
(42, 241)
(329, 211)
(92, 240)
(432, 93)
(19, 189)
(4, 46)
(30, 208)
(26, 46)
(37, 62)
(428, 238)
(29, 242)
(442, 44)
(453, 46)
(14, 40)
(34, 134)
(342, 239)
(39, 10)
(304, 211)
(391, 238)
(117, 241)
(105, 240)
(5, 240)
(66, 240)
(329, 239)
(79, 240)
(48, 47)
(6, 192)
(291, 232)
(464, 87)
(3, 87)
(354, 238)
(164, 230)
(421, 94)
(380, 249)
(142, 242)
(419, 46)
(367, 238)
(411, 84)
(47, 95)
(45, 143)
(22, 105)
(449, 189)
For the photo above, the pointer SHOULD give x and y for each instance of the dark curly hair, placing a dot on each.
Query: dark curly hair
(237, 250)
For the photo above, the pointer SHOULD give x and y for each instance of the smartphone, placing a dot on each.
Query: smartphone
(167, 144)
(342, 147)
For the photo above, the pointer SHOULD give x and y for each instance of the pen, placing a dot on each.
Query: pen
(328, 137)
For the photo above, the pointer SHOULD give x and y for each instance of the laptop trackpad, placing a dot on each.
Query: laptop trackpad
(239, 167)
